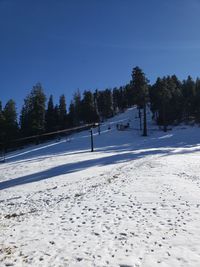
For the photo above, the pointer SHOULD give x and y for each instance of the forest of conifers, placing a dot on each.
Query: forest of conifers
(171, 101)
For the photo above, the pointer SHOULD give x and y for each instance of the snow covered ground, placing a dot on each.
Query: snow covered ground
(133, 202)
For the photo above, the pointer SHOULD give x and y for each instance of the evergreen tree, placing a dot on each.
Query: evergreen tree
(50, 117)
(154, 100)
(32, 118)
(108, 103)
(116, 98)
(129, 95)
(166, 100)
(95, 96)
(10, 124)
(189, 92)
(139, 85)
(105, 104)
(120, 99)
(62, 112)
(57, 117)
(164, 96)
(77, 118)
(89, 113)
(174, 105)
(71, 115)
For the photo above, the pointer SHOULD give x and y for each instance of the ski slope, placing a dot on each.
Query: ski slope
(133, 202)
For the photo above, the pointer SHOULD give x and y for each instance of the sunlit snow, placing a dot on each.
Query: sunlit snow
(134, 201)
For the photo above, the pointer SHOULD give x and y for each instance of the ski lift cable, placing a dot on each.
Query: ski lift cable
(63, 141)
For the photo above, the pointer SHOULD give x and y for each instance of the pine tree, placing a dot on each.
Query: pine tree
(166, 100)
(10, 124)
(25, 117)
(32, 118)
(189, 92)
(129, 95)
(77, 105)
(71, 115)
(108, 103)
(62, 112)
(164, 96)
(96, 96)
(57, 117)
(50, 117)
(105, 104)
(174, 104)
(89, 113)
(116, 97)
(139, 85)
(154, 100)
(120, 98)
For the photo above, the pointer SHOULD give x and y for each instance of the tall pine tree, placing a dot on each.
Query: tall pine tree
(139, 85)
(50, 116)
(62, 112)
(32, 118)
(89, 113)
(10, 124)
(105, 104)
(189, 92)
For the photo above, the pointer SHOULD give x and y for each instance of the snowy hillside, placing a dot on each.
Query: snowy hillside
(133, 202)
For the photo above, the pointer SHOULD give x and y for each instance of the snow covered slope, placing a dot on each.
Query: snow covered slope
(134, 201)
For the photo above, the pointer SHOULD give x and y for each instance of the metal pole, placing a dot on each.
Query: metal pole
(92, 144)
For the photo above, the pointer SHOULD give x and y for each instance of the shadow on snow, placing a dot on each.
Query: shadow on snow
(163, 144)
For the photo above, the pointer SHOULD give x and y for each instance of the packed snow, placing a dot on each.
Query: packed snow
(133, 202)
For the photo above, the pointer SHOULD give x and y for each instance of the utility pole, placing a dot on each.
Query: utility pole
(92, 143)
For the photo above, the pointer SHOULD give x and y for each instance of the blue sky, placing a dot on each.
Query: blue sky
(94, 44)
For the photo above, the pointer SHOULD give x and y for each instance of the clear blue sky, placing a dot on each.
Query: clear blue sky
(89, 44)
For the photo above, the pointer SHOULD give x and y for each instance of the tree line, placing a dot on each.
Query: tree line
(170, 100)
